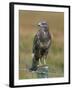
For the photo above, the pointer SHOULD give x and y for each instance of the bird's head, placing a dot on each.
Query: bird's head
(43, 25)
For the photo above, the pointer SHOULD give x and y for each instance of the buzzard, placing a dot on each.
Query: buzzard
(41, 45)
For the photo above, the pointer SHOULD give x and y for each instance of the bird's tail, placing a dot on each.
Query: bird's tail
(34, 64)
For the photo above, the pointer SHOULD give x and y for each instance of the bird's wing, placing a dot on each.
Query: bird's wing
(35, 42)
(49, 40)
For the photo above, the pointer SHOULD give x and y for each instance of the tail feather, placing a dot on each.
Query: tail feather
(34, 64)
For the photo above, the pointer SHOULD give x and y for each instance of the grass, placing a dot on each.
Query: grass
(55, 60)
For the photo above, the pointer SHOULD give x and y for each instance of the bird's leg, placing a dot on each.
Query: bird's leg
(40, 62)
(44, 61)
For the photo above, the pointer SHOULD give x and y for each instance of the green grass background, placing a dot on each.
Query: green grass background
(27, 29)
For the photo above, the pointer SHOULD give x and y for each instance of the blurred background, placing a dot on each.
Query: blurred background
(28, 21)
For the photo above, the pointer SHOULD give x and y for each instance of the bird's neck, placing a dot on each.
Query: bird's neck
(44, 29)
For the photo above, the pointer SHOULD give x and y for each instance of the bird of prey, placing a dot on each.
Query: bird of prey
(41, 45)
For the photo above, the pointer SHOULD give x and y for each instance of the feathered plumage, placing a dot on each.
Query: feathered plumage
(41, 45)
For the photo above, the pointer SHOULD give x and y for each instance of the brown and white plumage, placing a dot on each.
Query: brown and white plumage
(41, 45)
